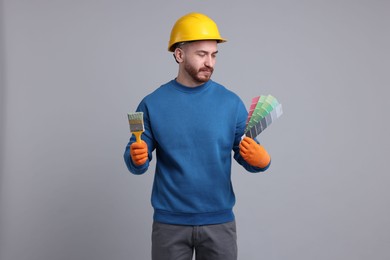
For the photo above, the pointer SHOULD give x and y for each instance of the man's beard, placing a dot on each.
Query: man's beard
(195, 74)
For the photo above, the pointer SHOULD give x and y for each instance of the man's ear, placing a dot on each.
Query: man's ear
(178, 54)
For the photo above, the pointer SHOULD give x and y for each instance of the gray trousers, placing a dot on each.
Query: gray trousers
(210, 242)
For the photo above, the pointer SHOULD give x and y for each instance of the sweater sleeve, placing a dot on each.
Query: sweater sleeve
(240, 128)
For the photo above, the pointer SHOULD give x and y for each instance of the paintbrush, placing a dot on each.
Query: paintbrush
(136, 122)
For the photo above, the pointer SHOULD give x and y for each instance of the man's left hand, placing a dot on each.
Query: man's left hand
(253, 153)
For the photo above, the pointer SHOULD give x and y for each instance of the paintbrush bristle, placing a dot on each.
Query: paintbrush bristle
(136, 121)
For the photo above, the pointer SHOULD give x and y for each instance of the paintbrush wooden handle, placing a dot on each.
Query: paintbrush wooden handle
(138, 136)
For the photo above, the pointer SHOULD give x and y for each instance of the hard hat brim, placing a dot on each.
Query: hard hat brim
(172, 48)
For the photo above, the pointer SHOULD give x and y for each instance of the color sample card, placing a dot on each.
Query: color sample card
(262, 112)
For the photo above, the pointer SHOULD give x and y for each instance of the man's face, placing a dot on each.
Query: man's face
(199, 60)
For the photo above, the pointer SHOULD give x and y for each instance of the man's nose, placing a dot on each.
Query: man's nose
(208, 61)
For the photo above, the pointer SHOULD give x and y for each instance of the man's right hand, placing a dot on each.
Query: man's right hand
(139, 153)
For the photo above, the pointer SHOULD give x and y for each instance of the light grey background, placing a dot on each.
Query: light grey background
(71, 70)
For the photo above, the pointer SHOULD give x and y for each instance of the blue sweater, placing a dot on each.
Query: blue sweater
(193, 131)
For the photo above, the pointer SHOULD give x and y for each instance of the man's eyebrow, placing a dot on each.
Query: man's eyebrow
(206, 52)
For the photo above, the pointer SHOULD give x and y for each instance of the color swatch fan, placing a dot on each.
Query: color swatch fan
(262, 112)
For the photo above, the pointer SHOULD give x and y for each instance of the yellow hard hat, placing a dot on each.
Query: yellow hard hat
(194, 27)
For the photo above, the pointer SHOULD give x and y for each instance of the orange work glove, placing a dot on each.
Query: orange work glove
(139, 152)
(253, 153)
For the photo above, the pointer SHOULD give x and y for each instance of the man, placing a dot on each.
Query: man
(193, 124)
